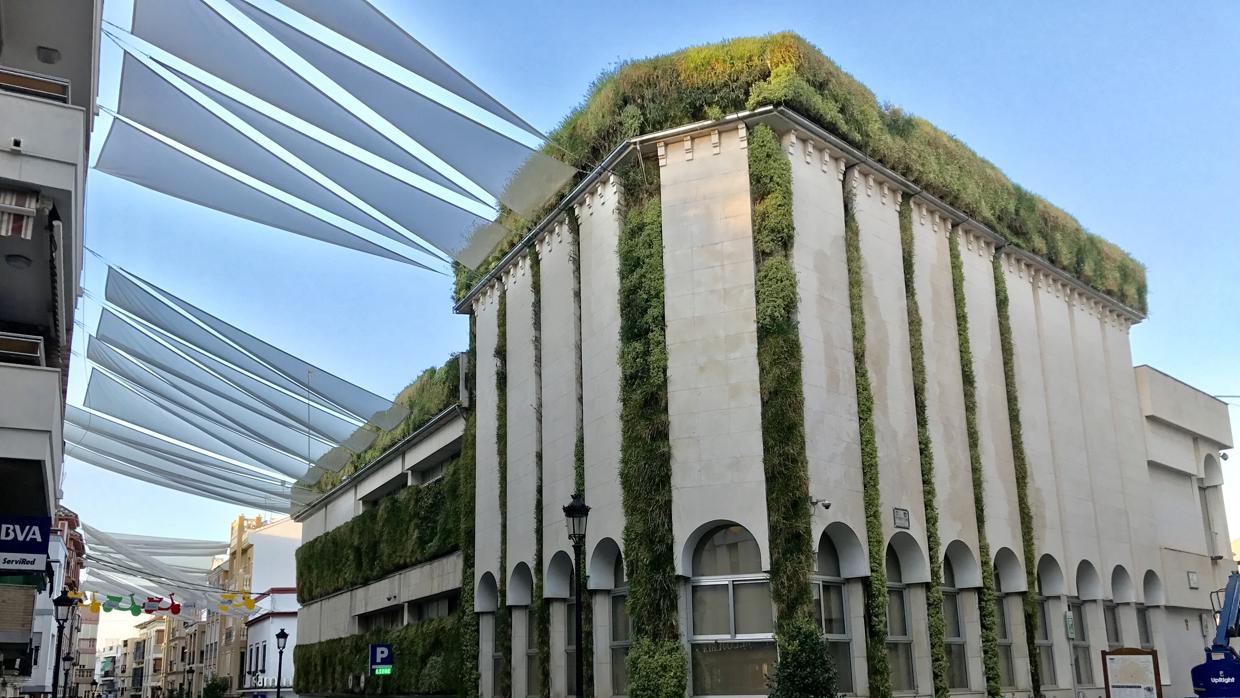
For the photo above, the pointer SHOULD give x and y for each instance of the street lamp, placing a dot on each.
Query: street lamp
(190, 671)
(94, 688)
(63, 606)
(281, 641)
(575, 514)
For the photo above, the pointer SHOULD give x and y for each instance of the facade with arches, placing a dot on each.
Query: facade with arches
(1097, 523)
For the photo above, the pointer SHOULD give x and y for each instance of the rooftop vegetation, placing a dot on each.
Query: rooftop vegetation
(432, 392)
(710, 81)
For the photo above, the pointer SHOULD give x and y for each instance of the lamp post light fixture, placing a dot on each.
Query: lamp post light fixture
(575, 514)
(190, 671)
(281, 641)
(63, 606)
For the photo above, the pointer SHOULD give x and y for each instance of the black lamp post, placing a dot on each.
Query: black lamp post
(281, 641)
(190, 671)
(63, 607)
(68, 660)
(575, 514)
(94, 688)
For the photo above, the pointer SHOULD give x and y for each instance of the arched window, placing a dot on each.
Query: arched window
(732, 619)
(831, 612)
(1003, 629)
(621, 630)
(899, 641)
(953, 630)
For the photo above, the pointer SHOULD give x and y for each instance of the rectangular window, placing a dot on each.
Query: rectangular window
(621, 636)
(263, 653)
(1143, 628)
(1007, 676)
(1046, 645)
(953, 637)
(830, 610)
(1082, 659)
(1110, 618)
(733, 648)
(899, 643)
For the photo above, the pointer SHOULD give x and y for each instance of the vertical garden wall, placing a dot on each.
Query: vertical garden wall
(656, 660)
(804, 668)
(986, 608)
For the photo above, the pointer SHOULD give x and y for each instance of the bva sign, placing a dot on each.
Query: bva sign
(23, 542)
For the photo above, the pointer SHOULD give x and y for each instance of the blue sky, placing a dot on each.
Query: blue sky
(1125, 120)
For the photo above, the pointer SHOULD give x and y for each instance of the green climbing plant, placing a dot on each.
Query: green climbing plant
(986, 606)
(876, 584)
(1021, 467)
(784, 461)
(467, 469)
(934, 546)
(656, 660)
(503, 617)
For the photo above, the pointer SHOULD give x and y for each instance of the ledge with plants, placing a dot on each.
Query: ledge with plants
(429, 655)
(416, 525)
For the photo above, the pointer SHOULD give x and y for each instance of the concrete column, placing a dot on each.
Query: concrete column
(1022, 653)
(602, 644)
(1097, 637)
(1129, 633)
(486, 655)
(1158, 627)
(919, 629)
(520, 628)
(971, 627)
(854, 597)
(557, 661)
(1056, 607)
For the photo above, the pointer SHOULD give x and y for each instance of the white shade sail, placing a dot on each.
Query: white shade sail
(134, 155)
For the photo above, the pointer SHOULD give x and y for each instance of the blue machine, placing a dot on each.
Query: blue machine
(1219, 676)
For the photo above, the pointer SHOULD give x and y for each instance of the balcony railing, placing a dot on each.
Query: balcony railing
(34, 85)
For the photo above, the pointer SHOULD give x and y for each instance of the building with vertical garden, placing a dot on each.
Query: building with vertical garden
(853, 412)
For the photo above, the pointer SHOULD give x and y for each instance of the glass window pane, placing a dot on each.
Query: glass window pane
(533, 677)
(754, 613)
(1001, 619)
(570, 666)
(1044, 621)
(958, 668)
(833, 601)
(951, 616)
(841, 652)
(816, 604)
(900, 659)
(1078, 619)
(732, 668)
(1046, 660)
(1143, 626)
(1007, 678)
(619, 671)
(728, 550)
(897, 619)
(1082, 666)
(1112, 625)
(711, 615)
(620, 629)
(570, 624)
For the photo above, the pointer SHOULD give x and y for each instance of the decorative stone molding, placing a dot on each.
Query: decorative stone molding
(662, 149)
(688, 148)
(714, 142)
(791, 139)
(841, 167)
(742, 134)
(809, 152)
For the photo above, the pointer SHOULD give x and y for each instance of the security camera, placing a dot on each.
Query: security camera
(1223, 455)
(825, 504)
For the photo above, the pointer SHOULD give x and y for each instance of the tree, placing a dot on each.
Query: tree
(215, 687)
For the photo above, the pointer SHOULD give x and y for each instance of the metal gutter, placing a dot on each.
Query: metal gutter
(394, 450)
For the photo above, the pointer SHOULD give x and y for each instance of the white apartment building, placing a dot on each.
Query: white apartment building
(48, 71)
